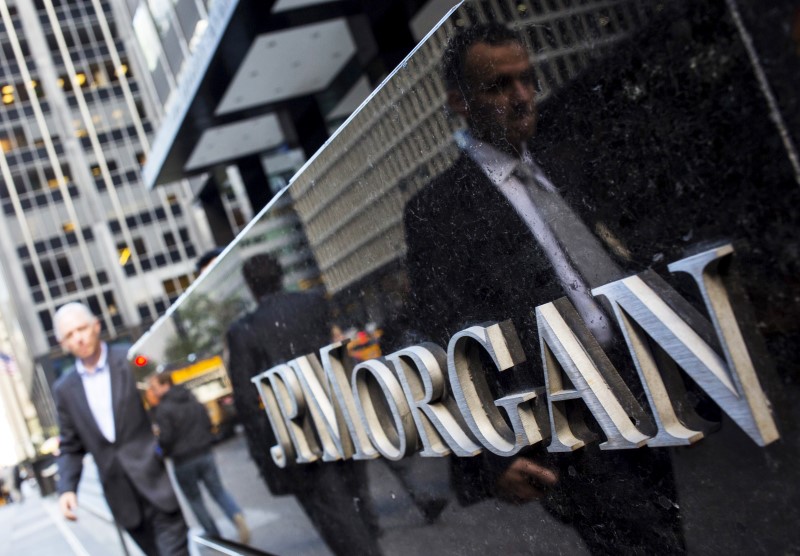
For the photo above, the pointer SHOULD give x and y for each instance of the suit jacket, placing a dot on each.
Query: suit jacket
(129, 467)
(472, 258)
(655, 175)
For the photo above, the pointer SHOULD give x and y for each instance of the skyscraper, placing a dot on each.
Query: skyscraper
(75, 222)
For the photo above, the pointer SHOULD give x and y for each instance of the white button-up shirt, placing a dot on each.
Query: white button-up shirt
(97, 385)
(500, 168)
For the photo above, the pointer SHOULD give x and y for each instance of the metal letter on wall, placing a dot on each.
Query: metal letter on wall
(333, 437)
(568, 348)
(471, 391)
(731, 382)
(333, 358)
(419, 369)
(393, 432)
(282, 399)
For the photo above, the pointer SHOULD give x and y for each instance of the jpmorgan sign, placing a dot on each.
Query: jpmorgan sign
(440, 400)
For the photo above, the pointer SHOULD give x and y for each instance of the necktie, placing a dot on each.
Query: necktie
(578, 258)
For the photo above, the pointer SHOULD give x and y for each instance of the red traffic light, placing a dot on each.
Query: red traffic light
(140, 361)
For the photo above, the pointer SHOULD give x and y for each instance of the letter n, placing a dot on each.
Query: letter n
(647, 308)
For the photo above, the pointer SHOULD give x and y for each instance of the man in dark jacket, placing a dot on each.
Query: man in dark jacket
(100, 412)
(286, 325)
(505, 229)
(184, 433)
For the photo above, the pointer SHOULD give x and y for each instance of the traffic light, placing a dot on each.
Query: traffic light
(140, 361)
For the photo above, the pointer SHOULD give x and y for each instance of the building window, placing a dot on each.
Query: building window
(15, 139)
(30, 274)
(173, 287)
(124, 254)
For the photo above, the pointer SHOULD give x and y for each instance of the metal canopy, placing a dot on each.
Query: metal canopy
(256, 56)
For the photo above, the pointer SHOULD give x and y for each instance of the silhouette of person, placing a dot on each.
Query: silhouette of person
(491, 238)
(283, 326)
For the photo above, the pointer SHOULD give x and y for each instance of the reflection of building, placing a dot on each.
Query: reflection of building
(280, 233)
(328, 59)
(76, 224)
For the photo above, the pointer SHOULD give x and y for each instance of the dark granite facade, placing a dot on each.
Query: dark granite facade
(666, 129)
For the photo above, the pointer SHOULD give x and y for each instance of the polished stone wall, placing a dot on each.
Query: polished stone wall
(587, 237)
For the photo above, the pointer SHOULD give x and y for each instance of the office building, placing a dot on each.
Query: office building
(75, 222)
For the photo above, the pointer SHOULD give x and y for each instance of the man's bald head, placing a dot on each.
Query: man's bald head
(68, 313)
(78, 331)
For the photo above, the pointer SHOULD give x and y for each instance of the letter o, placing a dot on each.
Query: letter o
(393, 432)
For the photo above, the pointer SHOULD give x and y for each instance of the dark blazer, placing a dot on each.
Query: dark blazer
(471, 258)
(128, 467)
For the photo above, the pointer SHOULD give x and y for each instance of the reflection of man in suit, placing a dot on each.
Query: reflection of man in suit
(491, 238)
(472, 227)
(100, 412)
(286, 325)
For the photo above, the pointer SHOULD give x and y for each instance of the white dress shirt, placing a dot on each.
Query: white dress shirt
(97, 385)
(502, 170)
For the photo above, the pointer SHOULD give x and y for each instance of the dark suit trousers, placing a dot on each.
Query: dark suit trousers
(160, 533)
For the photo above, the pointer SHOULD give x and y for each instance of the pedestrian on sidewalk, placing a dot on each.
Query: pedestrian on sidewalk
(100, 412)
(184, 433)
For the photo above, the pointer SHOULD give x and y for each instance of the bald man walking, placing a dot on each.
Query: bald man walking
(100, 412)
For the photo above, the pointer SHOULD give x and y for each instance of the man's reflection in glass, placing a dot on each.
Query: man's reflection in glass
(491, 238)
(283, 326)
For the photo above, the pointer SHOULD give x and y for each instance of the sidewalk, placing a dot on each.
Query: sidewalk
(36, 527)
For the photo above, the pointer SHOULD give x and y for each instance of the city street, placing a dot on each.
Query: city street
(278, 524)
(36, 528)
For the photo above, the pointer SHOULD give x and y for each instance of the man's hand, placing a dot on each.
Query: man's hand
(525, 480)
(68, 502)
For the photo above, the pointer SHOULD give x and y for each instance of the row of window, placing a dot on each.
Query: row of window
(145, 313)
(40, 199)
(71, 10)
(7, 49)
(101, 72)
(143, 218)
(67, 286)
(65, 4)
(56, 242)
(118, 179)
(158, 260)
(11, 93)
(33, 153)
(37, 180)
(14, 137)
(57, 270)
(102, 94)
(116, 135)
(24, 112)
